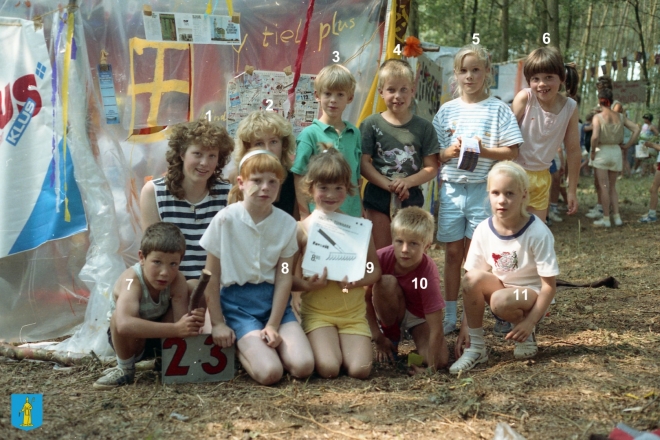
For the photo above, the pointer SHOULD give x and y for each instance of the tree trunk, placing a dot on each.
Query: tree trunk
(643, 64)
(543, 26)
(413, 24)
(504, 22)
(583, 48)
(553, 23)
(475, 9)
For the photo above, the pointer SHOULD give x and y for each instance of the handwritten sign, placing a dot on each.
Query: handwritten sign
(196, 359)
(629, 91)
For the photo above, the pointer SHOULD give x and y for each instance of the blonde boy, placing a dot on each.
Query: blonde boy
(408, 295)
(149, 300)
(334, 87)
(399, 150)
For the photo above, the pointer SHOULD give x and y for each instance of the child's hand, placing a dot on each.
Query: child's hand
(521, 331)
(271, 336)
(316, 282)
(399, 185)
(384, 349)
(296, 300)
(223, 336)
(462, 342)
(404, 195)
(190, 324)
(453, 151)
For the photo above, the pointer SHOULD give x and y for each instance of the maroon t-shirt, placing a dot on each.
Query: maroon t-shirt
(422, 297)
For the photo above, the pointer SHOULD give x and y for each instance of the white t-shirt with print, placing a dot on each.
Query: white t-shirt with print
(518, 260)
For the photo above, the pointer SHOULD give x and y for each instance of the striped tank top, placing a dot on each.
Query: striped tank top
(192, 219)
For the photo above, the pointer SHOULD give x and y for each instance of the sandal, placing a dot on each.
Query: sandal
(471, 358)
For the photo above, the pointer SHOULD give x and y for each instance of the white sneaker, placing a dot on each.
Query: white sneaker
(554, 217)
(471, 358)
(527, 349)
(617, 219)
(603, 222)
(595, 214)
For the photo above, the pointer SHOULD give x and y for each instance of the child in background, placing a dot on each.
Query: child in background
(652, 216)
(263, 130)
(547, 118)
(474, 114)
(408, 296)
(149, 300)
(334, 87)
(511, 266)
(606, 158)
(399, 150)
(334, 317)
(251, 247)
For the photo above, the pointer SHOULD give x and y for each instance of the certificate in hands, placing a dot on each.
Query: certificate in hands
(339, 242)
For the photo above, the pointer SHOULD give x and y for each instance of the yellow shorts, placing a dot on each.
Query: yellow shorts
(539, 189)
(330, 307)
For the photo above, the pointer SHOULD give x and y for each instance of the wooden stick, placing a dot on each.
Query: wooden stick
(198, 291)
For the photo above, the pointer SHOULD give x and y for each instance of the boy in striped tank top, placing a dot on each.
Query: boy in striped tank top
(149, 300)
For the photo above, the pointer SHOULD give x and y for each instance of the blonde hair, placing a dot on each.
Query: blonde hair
(519, 176)
(328, 167)
(256, 125)
(482, 55)
(335, 77)
(398, 69)
(415, 221)
(259, 163)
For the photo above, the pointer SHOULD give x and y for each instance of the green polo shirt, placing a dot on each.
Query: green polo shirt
(349, 144)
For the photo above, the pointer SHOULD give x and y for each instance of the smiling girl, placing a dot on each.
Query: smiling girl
(511, 266)
(547, 118)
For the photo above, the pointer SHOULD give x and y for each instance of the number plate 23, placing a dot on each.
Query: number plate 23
(196, 359)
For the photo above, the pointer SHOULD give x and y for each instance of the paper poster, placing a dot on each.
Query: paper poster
(191, 28)
(340, 243)
(467, 160)
(263, 90)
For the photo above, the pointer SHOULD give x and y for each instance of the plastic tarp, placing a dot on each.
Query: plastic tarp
(64, 286)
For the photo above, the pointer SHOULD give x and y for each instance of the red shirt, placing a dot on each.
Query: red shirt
(422, 297)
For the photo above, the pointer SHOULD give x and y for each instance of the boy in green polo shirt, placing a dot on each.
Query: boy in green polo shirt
(334, 87)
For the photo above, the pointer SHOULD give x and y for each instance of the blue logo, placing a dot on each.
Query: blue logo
(41, 70)
(21, 122)
(27, 411)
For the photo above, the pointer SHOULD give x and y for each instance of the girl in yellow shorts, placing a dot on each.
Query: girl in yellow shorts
(334, 316)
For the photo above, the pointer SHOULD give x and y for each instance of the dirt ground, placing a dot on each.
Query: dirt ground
(599, 364)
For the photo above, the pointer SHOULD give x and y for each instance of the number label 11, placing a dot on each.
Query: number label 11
(196, 359)
(524, 292)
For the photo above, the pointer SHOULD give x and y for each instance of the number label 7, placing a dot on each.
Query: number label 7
(130, 281)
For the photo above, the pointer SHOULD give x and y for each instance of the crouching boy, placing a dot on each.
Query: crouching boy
(408, 296)
(149, 300)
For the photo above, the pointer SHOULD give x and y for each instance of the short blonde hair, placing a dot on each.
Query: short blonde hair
(328, 167)
(255, 125)
(518, 174)
(415, 221)
(482, 55)
(335, 77)
(394, 68)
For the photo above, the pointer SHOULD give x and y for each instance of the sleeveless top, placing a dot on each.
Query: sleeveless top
(192, 219)
(543, 133)
(149, 309)
(611, 134)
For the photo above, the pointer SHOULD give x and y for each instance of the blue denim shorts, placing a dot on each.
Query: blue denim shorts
(247, 307)
(462, 207)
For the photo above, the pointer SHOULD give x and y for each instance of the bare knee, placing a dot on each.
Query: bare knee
(327, 369)
(454, 253)
(360, 371)
(471, 280)
(302, 369)
(268, 374)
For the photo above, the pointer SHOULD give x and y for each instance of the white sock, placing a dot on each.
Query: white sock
(126, 365)
(477, 338)
(450, 311)
(530, 338)
(652, 213)
(553, 207)
(599, 207)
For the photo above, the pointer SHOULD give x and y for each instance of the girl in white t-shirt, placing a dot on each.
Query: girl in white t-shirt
(511, 266)
(251, 247)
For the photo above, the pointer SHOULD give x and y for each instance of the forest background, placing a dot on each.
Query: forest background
(620, 38)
